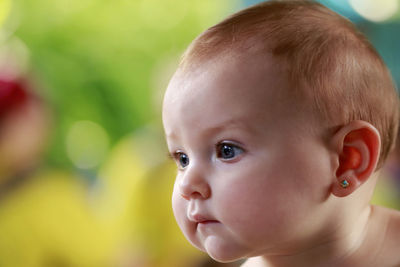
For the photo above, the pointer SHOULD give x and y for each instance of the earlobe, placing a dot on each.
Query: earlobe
(345, 185)
(357, 151)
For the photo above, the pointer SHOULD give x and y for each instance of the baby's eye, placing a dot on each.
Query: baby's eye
(182, 159)
(228, 151)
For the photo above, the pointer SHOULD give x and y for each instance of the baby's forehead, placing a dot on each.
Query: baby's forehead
(246, 86)
(254, 78)
(243, 68)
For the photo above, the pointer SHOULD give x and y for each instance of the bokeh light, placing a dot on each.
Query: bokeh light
(5, 6)
(87, 144)
(376, 11)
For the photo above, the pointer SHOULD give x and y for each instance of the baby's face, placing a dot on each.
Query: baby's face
(251, 177)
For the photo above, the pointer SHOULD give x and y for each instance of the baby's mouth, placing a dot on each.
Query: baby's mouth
(202, 220)
(205, 224)
(208, 222)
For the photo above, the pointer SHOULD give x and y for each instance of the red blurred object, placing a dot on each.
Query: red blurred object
(12, 95)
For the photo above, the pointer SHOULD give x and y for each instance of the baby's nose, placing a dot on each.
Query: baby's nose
(194, 185)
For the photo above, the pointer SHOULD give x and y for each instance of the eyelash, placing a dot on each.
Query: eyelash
(182, 160)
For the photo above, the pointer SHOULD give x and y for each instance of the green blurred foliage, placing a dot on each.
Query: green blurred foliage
(95, 60)
(104, 64)
(5, 6)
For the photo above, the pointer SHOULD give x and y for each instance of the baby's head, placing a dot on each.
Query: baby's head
(278, 118)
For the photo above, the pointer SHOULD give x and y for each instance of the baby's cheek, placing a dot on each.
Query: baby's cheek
(241, 205)
(178, 207)
(254, 212)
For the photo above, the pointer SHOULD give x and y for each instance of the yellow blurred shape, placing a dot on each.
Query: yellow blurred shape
(87, 144)
(136, 184)
(5, 7)
(48, 222)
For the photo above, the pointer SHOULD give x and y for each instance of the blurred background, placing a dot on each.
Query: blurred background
(84, 177)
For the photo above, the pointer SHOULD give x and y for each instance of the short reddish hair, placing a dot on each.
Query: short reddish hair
(331, 65)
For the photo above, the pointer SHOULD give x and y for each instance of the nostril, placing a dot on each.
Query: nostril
(193, 195)
(185, 197)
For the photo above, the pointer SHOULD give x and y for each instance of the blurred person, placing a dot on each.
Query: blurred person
(279, 119)
(24, 128)
(45, 216)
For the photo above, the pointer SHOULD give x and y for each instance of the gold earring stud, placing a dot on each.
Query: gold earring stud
(344, 183)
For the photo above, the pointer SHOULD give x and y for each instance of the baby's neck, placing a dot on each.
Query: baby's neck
(343, 247)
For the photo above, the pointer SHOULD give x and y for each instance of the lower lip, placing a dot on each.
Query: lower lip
(207, 222)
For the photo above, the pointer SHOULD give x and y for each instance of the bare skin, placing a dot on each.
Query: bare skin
(377, 245)
(259, 177)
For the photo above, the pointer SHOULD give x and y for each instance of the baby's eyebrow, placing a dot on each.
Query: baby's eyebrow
(228, 124)
(218, 127)
(170, 134)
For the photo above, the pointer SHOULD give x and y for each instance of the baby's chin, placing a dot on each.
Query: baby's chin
(223, 251)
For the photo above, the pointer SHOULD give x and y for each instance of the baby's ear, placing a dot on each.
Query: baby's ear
(357, 146)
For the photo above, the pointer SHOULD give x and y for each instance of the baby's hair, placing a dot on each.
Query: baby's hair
(332, 67)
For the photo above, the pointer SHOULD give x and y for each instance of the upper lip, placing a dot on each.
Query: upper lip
(199, 218)
(197, 214)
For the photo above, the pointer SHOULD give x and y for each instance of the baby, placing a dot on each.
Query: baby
(279, 119)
